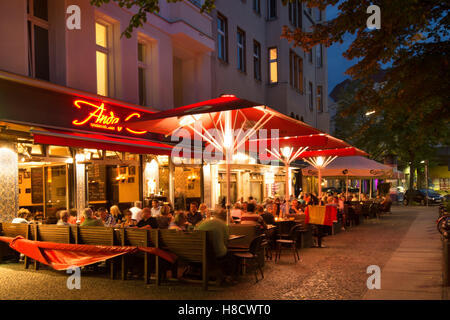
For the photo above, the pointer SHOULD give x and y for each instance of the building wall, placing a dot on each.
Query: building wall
(178, 30)
(281, 96)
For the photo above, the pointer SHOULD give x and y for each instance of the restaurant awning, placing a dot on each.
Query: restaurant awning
(357, 166)
(100, 142)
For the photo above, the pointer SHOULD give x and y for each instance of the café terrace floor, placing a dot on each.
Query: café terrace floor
(405, 245)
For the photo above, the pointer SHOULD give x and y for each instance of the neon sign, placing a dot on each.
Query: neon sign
(102, 118)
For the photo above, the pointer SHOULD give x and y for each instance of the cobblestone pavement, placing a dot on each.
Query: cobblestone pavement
(335, 272)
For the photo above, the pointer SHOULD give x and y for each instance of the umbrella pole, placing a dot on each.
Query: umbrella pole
(228, 203)
(287, 196)
(371, 182)
(359, 196)
(319, 178)
(346, 187)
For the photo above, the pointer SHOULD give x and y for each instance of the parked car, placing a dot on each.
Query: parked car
(421, 195)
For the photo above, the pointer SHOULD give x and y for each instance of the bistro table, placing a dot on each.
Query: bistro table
(236, 236)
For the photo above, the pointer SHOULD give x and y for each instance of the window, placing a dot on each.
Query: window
(319, 56)
(38, 46)
(257, 60)
(310, 55)
(102, 52)
(293, 13)
(319, 99)
(310, 96)
(296, 71)
(257, 6)
(318, 15)
(142, 70)
(222, 38)
(271, 9)
(241, 50)
(273, 65)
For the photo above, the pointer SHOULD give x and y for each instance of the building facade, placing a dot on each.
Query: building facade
(50, 75)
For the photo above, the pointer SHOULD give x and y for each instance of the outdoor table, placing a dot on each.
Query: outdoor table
(236, 236)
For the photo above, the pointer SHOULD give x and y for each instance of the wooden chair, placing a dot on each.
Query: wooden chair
(13, 230)
(291, 243)
(190, 247)
(96, 236)
(252, 255)
(140, 238)
(50, 233)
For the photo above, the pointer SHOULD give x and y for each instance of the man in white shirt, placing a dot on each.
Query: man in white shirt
(156, 208)
(136, 211)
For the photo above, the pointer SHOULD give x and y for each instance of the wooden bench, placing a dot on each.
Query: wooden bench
(190, 247)
(49, 233)
(13, 230)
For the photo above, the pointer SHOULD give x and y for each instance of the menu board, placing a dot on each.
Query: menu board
(97, 179)
(37, 185)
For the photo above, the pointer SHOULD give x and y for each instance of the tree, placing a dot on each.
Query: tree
(144, 7)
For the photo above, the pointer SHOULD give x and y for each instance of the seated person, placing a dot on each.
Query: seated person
(156, 208)
(294, 209)
(268, 215)
(385, 205)
(126, 220)
(63, 218)
(107, 219)
(193, 216)
(250, 217)
(89, 219)
(21, 216)
(178, 222)
(73, 216)
(236, 212)
(164, 218)
(147, 220)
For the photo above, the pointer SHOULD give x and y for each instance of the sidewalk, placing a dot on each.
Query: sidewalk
(414, 272)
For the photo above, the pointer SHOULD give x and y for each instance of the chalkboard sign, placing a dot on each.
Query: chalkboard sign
(97, 179)
(37, 185)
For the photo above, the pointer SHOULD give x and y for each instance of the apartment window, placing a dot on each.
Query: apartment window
(319, 52)
(38, 46)
(310, 96)
(241, 50)
(271, 9)
(257, 60)
(222, 39)
(257, 6)
(310, 55)
(309, 11)
(142, 71)
(294, 13)
(319, 99)
(102, 53)
(318, 14)
(273, 65)
(296, 71)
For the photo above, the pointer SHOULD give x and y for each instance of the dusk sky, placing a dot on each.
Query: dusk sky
(337, 64)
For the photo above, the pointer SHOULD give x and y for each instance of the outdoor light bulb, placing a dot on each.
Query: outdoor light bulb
(286, 151)
(319, 161)
(185, 121)
(370, 112)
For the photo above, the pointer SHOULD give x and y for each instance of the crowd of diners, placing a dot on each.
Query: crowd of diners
(161, 215)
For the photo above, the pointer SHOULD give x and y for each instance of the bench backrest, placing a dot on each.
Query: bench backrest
(188, 246)
(250, 231)
(15, 229)
(96, 235)
(51, 233)
(139, 237)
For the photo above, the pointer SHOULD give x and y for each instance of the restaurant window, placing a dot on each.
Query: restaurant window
(257, 60)
(319, 99)
(257, 6)
(222, 38)
(38, 46)
(102, 55)
(142, 71)
(271, 9)
(319, 59)
(310, 96)
(273, 65)
(241, 50)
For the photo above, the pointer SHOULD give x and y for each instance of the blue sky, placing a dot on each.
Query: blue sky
(337, 64)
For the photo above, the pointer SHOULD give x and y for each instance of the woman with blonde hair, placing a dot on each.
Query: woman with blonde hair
(115, 212)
